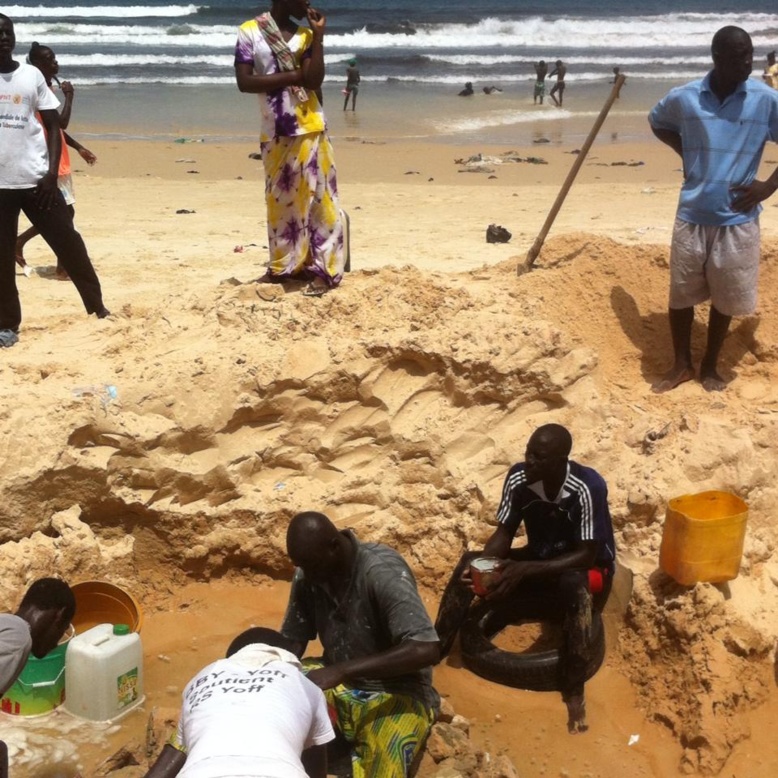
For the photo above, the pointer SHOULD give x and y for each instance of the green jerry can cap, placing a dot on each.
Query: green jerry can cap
(121, 629)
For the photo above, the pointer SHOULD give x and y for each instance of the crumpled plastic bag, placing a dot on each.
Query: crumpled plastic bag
(497, 234)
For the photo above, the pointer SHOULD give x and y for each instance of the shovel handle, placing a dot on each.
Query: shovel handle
(532, 254)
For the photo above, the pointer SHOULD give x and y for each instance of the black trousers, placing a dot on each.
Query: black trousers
(56, 227)
(567, 593)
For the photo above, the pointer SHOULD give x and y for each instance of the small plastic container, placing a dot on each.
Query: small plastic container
(104, 673)
(703, 536)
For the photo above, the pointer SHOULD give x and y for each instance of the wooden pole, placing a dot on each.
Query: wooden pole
(579, 160)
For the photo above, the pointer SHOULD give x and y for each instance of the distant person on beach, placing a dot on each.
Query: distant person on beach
(770, 75)
(490, 90)
(468, 90)
(352, 84)
(253, 713)
(539, 92)
(361, 600)
(44, 615)
(29, 163)
(718, 125)
(46, 61)
(283, 63)
(568, 560)
(560, 71)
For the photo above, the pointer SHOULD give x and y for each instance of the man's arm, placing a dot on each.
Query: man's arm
(314, 761)
(253, 83)
(750, 195)
(46, 191)
(407, 657)
(64, 114)
(313, 65)
(168, 764)
(85, 153)
(499, 544)
(513, 572)
(671, 138)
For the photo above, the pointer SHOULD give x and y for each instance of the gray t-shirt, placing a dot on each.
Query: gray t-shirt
(381, 609)
(15, 647)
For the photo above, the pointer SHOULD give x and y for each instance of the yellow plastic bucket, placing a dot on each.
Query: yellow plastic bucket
(703, 537)
(101, 602)
(40, 688)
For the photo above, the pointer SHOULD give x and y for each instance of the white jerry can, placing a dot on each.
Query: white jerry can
(104, 673)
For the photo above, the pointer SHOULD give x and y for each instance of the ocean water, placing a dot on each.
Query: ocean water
(151, 66)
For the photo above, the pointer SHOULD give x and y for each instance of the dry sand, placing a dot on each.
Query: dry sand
(395, 404)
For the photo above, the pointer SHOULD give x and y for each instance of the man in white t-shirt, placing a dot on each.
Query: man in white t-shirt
(253, 714)
(29, 161)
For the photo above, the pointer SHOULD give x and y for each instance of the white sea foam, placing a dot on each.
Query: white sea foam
(104, 11)
(649, 32)
(141, 36)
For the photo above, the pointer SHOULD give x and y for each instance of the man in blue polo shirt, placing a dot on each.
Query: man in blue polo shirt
(569, 556)
(718, 126)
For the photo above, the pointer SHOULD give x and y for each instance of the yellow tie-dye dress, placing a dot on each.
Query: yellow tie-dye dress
(305, 230)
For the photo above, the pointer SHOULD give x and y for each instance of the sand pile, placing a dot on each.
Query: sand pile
(396, 406)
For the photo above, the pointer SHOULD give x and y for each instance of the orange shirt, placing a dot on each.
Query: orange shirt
(64, 157)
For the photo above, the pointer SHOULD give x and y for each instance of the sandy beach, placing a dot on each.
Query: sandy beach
(395, 405)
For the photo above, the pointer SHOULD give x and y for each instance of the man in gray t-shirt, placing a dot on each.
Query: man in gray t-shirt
(361, 600)
(43, 616)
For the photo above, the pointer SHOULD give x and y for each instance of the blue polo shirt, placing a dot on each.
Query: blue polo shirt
(722, 144)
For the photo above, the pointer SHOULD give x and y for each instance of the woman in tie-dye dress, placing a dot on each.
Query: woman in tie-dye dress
(284, 64)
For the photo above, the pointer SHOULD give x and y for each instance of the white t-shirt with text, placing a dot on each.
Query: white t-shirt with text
(24, 157)
(242, 721)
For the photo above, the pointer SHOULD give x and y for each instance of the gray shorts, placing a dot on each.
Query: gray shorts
(720, 264)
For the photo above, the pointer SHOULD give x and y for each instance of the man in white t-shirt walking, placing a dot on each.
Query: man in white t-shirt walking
(253, 714)
(29, 161)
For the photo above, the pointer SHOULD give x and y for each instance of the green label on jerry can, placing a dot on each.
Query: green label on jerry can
(127, 687)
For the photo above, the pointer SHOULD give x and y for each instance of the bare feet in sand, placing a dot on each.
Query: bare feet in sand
(711, 381)
(678, 375)
(576, 714)
(61, 274)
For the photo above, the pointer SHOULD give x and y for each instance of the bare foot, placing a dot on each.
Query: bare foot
(676, 377)
(61, 274)
(20, 260)
(576, 715)
(712, 381)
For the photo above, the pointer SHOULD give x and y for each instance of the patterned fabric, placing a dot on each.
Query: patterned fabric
(386, 731)
(267, 24)
(304, 227)
(282, 114)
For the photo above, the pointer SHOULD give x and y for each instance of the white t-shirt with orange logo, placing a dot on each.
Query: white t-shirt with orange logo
(24, 158)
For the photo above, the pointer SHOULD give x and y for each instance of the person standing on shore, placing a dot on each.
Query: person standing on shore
(352, 84)
(718, 125)
(283, 63)
(29, 161)
(541, 71)
(560, 71)
(770, 75)
(46, 61)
